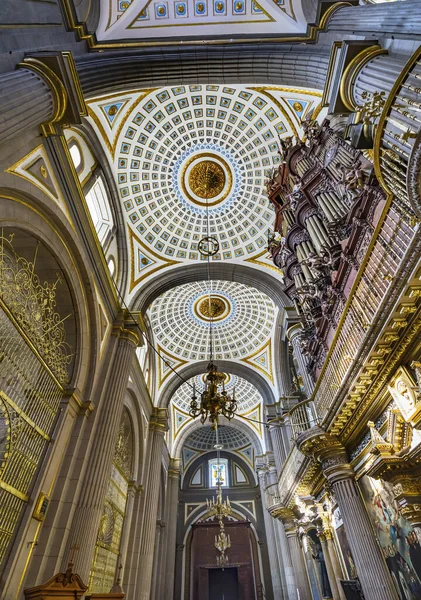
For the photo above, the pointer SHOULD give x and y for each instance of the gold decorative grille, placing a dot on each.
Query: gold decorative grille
(107, 548)
(33, 360)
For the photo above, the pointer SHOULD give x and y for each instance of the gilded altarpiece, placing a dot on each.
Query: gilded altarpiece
(107, 548)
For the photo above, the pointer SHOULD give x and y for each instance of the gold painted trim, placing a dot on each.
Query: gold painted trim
(94, 116)
(264, 92)
(248, 360)
(82, 33)
(167, 263)
(8, 488)
(176, 433)
(24, 416)
(352, 71)
(336, 46)
(162, 353)
(385, 113)
(254, 261)
(214, 158)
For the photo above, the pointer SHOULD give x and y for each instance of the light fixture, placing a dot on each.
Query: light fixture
(213, 402)
(222, 544)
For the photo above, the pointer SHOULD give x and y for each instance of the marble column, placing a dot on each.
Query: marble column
(26, 101)
(172, 495)
(85, 524)
(157, 428)
(293, 335)
(329, 567)
(298, 562)
(283, 550)
(270, 539)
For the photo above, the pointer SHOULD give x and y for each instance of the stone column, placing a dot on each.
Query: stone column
(373, 572)
(157, 427)
(283, 550)
(26, 101)
(131, 495)
(279, 450)
(172, 518)
(293, 335)
(337, 569)
(297, 558)
(329, 567)
(85, 524)
(403, 19)
(275, 567)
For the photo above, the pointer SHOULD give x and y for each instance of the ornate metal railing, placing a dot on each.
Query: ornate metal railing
(303, 416)
(33, 365)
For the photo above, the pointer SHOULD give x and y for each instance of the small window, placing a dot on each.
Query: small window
(218, 472)
(111, 266)
(75, 154)
(100, 210)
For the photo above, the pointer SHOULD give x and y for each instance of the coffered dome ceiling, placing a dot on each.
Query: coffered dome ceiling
(243, 320)
(181, 154)
(176, 149)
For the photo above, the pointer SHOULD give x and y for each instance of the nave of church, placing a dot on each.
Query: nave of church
(210, 299)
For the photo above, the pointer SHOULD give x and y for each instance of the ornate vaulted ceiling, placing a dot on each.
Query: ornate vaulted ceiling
(160, 21)
(180, 153)
(161, 141)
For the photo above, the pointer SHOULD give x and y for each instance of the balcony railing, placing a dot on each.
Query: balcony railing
(303, 417)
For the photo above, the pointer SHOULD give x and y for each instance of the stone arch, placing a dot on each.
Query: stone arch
(226, 366)
(22, 212)
(196, 424)
(170, 278)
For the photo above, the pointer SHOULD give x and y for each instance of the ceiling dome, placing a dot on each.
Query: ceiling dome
(204, 438)
(187, 146)
(243, 320)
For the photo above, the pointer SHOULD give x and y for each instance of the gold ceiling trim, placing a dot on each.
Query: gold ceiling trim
(167, 263)
(254, 261)
(112, 146)
(82, 33)
(248, 360)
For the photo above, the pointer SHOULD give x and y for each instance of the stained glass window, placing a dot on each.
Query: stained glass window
(218, 472)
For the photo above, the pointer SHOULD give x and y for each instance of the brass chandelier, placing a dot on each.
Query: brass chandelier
(213, 402)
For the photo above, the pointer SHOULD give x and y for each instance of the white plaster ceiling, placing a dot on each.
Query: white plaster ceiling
(161, 21)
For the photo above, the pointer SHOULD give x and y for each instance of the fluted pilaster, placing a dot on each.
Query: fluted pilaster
(26, 101)
(371, 567)
(275, 568)
(329, 568)
(294, 334)
(172, 494)
(377, 75)
(403, 19)
(158, 427)
(279, 450)
(337, 569)
(298, 562)
(85, 523)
